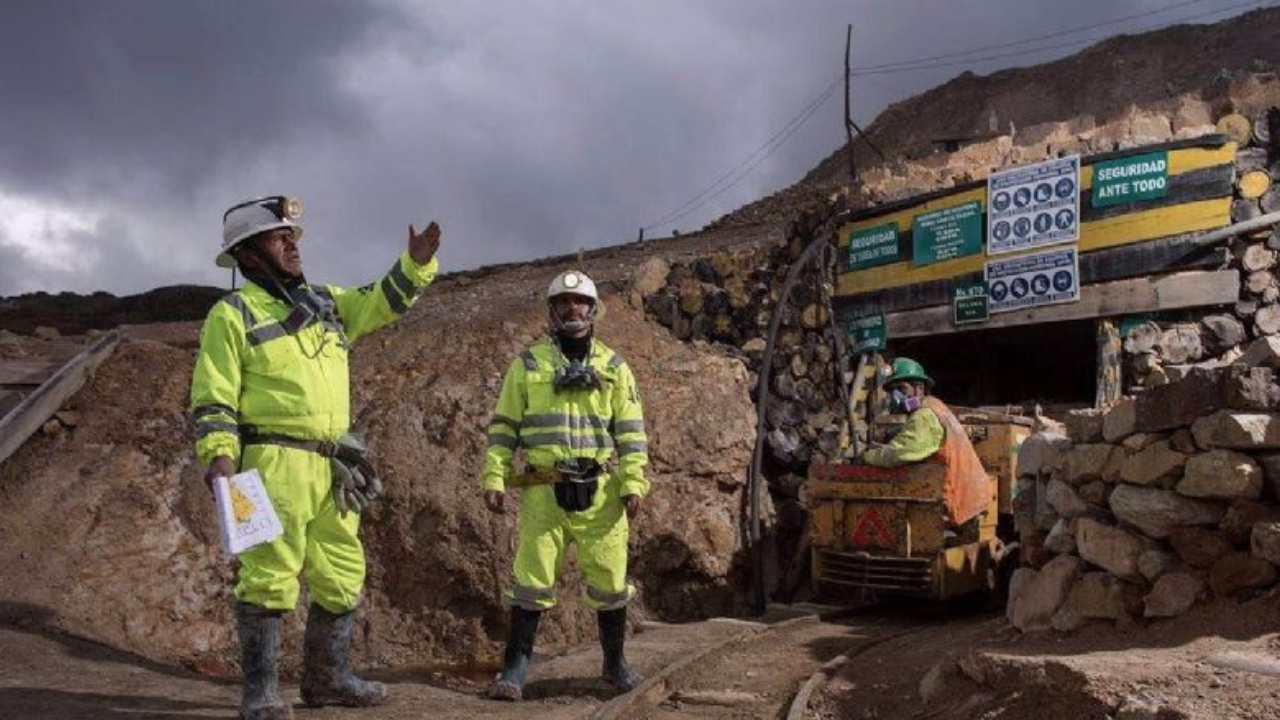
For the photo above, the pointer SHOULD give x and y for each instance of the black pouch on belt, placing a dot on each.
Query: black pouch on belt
(576, 489)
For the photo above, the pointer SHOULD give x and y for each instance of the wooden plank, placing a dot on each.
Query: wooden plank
(1110, 232)
(20, 423)
(1110, 352)
(1181, 252)
(26, 372)
(1124, 297)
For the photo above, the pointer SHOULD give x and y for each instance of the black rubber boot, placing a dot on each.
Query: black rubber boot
(326, 679)
(259, 631)
(613, 635)
(515, 661)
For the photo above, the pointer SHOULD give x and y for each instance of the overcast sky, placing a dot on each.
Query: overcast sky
(525, 128)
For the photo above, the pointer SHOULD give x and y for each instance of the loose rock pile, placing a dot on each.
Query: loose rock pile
(1161, 501)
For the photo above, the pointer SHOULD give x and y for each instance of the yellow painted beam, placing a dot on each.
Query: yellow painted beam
(1097, 235)
(1180, 161)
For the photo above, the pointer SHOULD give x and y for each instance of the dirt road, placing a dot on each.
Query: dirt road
(717, 668)
(900, 661)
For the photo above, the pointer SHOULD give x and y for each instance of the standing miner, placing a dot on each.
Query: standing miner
(271, 392)
(570, 402)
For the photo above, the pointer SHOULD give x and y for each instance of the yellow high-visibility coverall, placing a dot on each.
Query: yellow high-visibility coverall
(571, 423)
(251, 374)
(920, 437)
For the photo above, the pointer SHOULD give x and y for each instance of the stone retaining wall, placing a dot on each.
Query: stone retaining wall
(1160, 502)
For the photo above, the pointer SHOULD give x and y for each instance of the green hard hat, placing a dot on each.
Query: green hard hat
(906, 369)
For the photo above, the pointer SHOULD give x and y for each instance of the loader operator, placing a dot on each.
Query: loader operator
(570, 402)
(271, 392)
(932, 431)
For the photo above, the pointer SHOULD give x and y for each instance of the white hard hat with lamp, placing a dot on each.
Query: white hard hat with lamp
(259, 215)
(574, 282)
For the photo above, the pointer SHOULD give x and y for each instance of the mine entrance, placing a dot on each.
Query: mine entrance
(1054, 365)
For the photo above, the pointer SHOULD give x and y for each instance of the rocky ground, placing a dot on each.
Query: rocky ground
(1218, 662)
(889, 661)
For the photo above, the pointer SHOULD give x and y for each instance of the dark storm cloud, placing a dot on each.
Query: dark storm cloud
(526, 128)
(97, 93)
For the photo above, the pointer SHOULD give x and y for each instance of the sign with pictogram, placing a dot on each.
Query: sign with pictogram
(872, 530)
(1026, 281)
(1033, 205)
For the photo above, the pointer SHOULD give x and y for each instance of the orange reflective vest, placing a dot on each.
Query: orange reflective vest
(967, 490)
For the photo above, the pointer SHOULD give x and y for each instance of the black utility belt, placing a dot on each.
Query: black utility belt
(327, 448)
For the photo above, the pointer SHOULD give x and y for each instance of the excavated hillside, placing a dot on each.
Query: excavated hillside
(1095, 85)
(109, 532)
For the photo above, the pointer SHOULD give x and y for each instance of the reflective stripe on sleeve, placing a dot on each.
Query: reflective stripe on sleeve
(393, 297)
(501, 440)
(402, 281)
(632, 448)
(504, 421)
(201, 411)
(209, 427)
(628, 426)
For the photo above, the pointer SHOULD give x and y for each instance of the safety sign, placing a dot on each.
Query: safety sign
(1142, 177)
(873, 246)
(1044, 278)
(867, 334)
(1034, 205)
(970, 303)
(948, 233)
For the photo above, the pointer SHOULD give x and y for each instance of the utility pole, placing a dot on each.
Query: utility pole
(848, 119)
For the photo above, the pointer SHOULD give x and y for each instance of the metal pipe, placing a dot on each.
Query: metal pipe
(760, 601)
(1257, 223)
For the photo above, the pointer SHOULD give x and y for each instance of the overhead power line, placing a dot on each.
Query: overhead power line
(907, 66)
(1024, 41)
(757, 156)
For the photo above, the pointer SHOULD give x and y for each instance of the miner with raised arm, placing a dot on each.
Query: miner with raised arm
(270, 392)
(571, 403)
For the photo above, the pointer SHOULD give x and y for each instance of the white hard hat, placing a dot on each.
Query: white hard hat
(573, 282)
(251, 217)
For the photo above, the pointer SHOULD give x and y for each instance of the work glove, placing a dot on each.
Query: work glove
(354, 486)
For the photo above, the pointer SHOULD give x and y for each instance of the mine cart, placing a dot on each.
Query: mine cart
(884, 530)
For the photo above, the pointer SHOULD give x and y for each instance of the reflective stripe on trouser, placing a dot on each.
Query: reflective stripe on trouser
(546, 531)
(317, 540)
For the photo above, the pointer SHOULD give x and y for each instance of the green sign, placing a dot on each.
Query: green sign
(971, 303)
(873, 246)
(867, 334)
(948, 233)
(1140, 177)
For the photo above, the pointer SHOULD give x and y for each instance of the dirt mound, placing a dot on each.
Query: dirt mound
(109, 532)
(74, 314)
